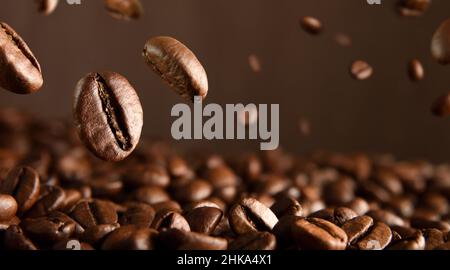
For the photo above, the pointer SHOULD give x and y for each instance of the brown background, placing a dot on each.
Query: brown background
(307, 76)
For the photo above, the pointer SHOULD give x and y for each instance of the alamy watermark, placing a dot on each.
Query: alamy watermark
(229, 125)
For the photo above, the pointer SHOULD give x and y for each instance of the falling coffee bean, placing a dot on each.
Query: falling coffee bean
(441, 106)
(412, 8)
(8, 207)
(177, 65)
(311, 25)
(108, 115)
(124, 9)
(20, 71)
(361, 70)
(440, 43)
(46, 7)
(415, 70)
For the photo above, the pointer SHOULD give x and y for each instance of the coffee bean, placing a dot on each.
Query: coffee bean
(287, 206)
(151, 175)
(359, 205)
(433, 238)
(51, 199)
(204, 219)
(138, 214)
(8, 207)
(386, 217)
(177, 65)
(361, 70)
(107, 186)
(338, 215)
(316, 233)
(124, 9)
(415, 242)
(108, 115)
(130, 238)
(311, 25)
(440, 43)
(15, 239)
(47, 230)
(23, 184)
(364, 234)
(96, 234)
(193, 191)
(339, 192)
(441, 106)
(175, 239)
(20, 71)
(169, 219)
(46, 7)
(254, 241)
(250, 215)
(412, 8)
(415, 70)
(150, 195)
(200, 204)
(435, 202)
(422, 223)
(97, 212)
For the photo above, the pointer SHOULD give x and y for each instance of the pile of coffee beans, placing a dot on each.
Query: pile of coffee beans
(55, 195)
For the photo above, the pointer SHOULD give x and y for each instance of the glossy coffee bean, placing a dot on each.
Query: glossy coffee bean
(254, 241)
(177, 65)
(386, 217)
(96, 234)
(8, 207)
(51, 199)
(193, 191)
(416, 71)
(364, 234)
(138, 214)
(108, 115)
(20, 71)
(316, 233)
(48, 230)
(311, 25)
(97, 212)
(130, 238)
(175, 239)
(169, 219)
(150, 195)
(338, 215)
(412, 8)
(251, 215)
(415, 242)
(440, 43)
(124, 9)
(287, 206)
(361, 70)
(433, 238)
(15, 239)
(359, 205)
(151, 175)
(357, 227)
(46, 7)
(23, 184)
(204, 219)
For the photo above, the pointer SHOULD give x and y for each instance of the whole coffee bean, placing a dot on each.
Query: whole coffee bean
(7, 223)
(433, 238)
(138, 214)
(73, 196)
(415, 70)
(15, 239)
(124, 9)
(440, 43)
(445, 246)
(422, 223)
(435, 202)
(254, 241)
(200, 204)
(151, 175)
(271, 184)
(338, 215)
(377, 238)
(177, 65)
(20, 71)
(66, 245)
(97, 212)
(402, 205)
(204, 219)
(415, 242)
(193, 191)
(8, 207)
(311, 25)
(340, 192)
(46, 7)
(150, 195)
(316, 233)
(48, 230)
(74, 166)
(361, 70)
(386, 217)
(413, 8)
(130, 238)
(51, 199)
(175, 239)
(108, 115)
(287, 206)
(96, 234)
(359, 205)
(221, 176)
(169, 205)
(23, 184)
(357, 227)
(250, 215)
(441, 106)
(343, 39)
(169, 219)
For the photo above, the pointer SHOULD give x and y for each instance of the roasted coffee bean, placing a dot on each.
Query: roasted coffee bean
(46, 7)
(8, 207)
(402, 205)
(433, 238)
(250, 215)
(96, 234)
(254, 241)
(271, 184)
(106, 187)
(316, 233)
(15, 239)
(130, 238)
(193, 191)
(412, 8)
(177, 65)
(124, 9)
(415, 242)
(440, 43)
(441, 106)
(436, 203)
(68, 244)
(359, 205)
(178, 167)
(338, 215)
(364, 234)
(422, 223)
(415, 70)
(357, 227)
(169, 205)
(343, 39)
(311, 25)
(23, 184)
(386, 217)
(169, 219)
(151, 175)
(361, 70)
(48, 230)
(138, 214)
(74, 166)
(339, 192)
(200, 204)
(97, 212)
(204, 219)
(150, 195)
(175, 239)
(20, 71)
(108, 115)
(287, 206)
(51, 199)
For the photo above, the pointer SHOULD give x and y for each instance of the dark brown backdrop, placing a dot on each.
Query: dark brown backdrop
(307, 76)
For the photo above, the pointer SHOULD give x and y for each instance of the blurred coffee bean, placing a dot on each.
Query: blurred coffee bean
(254, 241)
(412, 8)
(311, 25)
(23, 184)
(386, 217)
(15, 239)
(416, 71)
(46, 7)
(338, 215)
(433, 238)
(286, 206)
(150, 195)
(51, 199)
(138, 214)
(339, 192)
(169, 205)
(316, 233)
(175, 239)
(359, 205)
(422, 223)
(147, 175)
(130, 238)
(361, 70)
(440, 43)
(193, 191)
(124, 9)
(8, 207)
